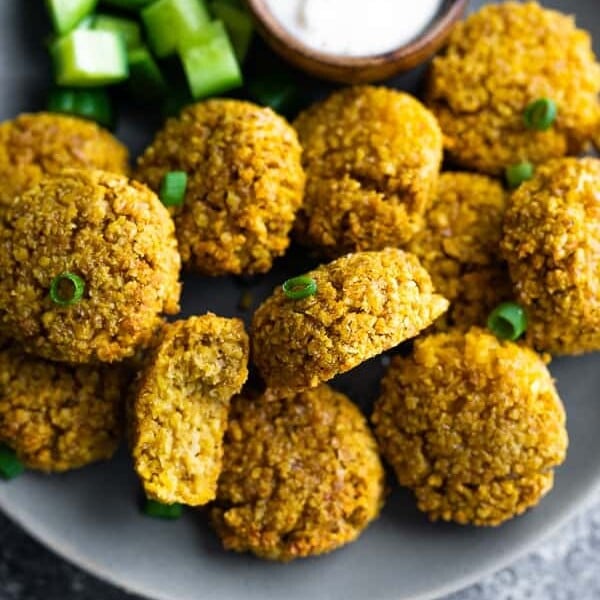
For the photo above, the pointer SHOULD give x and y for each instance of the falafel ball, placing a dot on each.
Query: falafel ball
(372, 157)
(365, 303)
(181, 405)
(498, 61)
(301, 475)
(551, 243)
(59, 417)
(111, 233)
(35, 145)
(245, 184)
(473, 425)
(460, 247)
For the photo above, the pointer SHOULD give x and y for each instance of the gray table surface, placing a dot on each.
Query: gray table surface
(564, 567)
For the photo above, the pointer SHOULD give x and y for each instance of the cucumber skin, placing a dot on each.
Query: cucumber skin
(209, 62)
(66, 14)
(168, 22)
(238, 24)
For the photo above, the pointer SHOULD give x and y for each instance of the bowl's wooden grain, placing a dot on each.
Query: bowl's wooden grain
(352, 69)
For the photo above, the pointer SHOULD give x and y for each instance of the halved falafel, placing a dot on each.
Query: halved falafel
(365, 303)
(179, 412)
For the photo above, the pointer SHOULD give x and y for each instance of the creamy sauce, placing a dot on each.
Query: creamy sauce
(354, 27)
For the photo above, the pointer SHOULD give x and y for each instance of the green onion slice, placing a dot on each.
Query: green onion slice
(508, 321)
(517, 174)
(93, 104)
(540, 114)
(10, 465)
(157, 510)
(66, 289)
(301, 287)
(173, 187)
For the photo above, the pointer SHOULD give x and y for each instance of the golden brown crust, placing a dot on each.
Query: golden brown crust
(245, 184)
(459, 247)
(35, 145)
(552, 246)
(112, 232)
(372, 157)
(498, 61)
(181, 405)
(301, 475)
(58, 417)
(365, 303)
(474, 426)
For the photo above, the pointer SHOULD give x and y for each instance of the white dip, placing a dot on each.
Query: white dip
(354, 27)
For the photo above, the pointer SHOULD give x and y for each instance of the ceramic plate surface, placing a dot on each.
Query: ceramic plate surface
(91, 516)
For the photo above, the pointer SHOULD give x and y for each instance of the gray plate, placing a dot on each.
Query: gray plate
(91, 517)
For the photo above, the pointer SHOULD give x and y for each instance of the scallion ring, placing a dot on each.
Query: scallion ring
(62, 297)
(300, 287)
(157, 510)
(10, 465)
(517, 174)
(173, 187)
(540, 114)
(508, 321)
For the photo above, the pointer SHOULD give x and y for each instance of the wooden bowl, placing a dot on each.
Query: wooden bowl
(352, 69)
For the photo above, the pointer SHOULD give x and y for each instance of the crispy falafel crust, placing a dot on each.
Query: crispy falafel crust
(372, 157)
(301, 475)
(498, 61)
(472, 425)
(113, 233)
(181, 405)
(552, 245)
(459, 247)
(365, 303)
(245, 184)
(59, 417)
(35, 145)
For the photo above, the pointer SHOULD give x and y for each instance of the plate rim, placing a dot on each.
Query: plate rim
(88, 565)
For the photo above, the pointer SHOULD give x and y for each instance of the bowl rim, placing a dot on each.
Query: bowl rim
(449, 13)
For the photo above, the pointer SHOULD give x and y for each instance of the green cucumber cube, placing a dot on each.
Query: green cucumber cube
(130, 30)
(238, 24)
(146, 82)
(209, 62)
(87, 58)
(66, 14)
(168, 22)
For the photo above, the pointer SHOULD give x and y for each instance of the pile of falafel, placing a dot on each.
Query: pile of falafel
(289, 467)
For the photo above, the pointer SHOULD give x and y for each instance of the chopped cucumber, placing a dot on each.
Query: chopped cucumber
(146, 82)
(209, 62)
(128, 4)
(66, 14)
(238, 24)
(130, 30)
(168, 22)
(87, 58)
(93, 104)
